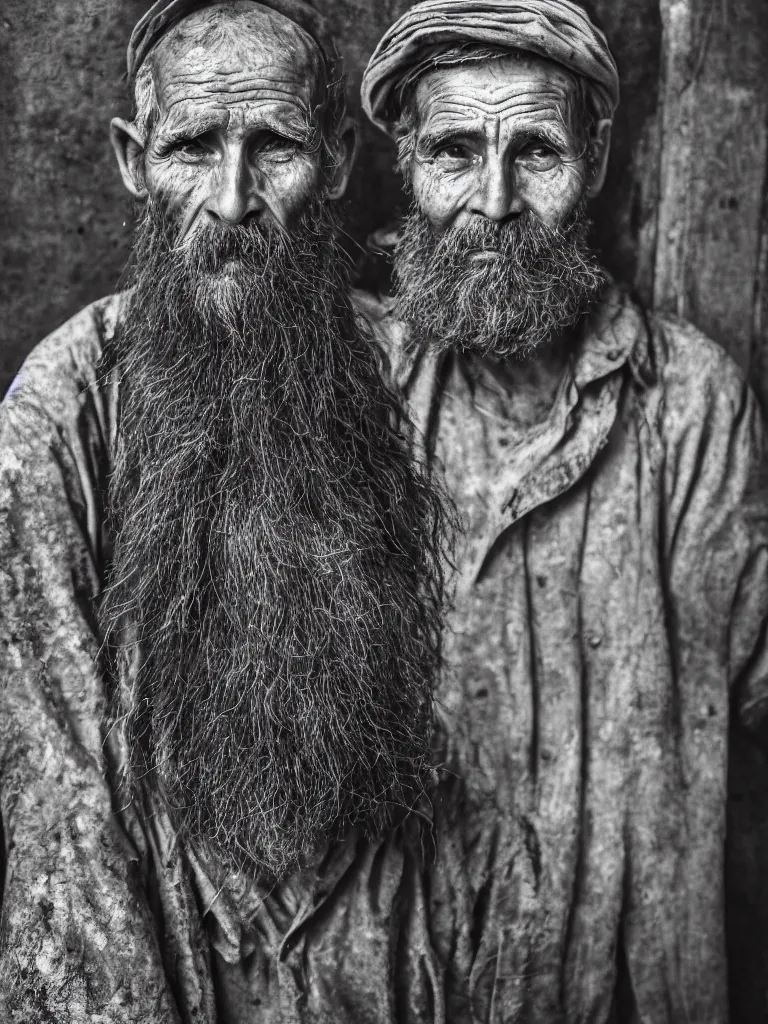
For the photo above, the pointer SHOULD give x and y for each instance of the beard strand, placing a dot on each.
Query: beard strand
(498, 290)
(277, 556)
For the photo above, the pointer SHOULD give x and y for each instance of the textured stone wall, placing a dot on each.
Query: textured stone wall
(61, 204)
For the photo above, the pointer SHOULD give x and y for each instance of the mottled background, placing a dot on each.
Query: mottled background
(683, 221)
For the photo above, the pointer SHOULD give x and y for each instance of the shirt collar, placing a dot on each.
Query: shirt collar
(614, 335)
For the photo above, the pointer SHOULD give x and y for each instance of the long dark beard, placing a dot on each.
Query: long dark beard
(277, 556)
(537, 283)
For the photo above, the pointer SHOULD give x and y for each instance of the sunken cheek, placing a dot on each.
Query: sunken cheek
(447, 196)
(174, 183)
(440, 194)
(552, 195)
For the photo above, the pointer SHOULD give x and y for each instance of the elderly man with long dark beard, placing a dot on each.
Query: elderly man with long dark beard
(612, 583)
(221, 574)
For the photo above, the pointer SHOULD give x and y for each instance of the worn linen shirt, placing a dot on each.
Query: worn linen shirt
(610, 606)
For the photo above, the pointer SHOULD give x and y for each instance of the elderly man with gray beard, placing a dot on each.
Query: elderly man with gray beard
(220, 575)
(612, 587)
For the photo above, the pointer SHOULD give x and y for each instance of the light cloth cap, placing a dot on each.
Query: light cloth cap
(164, 14)
(556, 29)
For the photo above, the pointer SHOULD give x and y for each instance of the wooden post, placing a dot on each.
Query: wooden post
(706, 260)
(709, 251)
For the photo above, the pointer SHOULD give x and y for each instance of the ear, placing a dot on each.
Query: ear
(347, 152)
(128, 145)
(600, 146)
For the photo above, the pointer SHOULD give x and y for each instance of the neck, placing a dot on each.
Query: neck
(523, 390)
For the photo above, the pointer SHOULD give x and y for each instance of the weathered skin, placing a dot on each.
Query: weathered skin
(237, 134)
(611, 595)
(497, 138)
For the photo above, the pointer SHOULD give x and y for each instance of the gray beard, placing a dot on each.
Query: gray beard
(277, 556)
(538, 283)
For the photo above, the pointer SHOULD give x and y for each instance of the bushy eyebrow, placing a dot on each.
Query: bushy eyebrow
(188, 128)
(432, 139)
(195, 125)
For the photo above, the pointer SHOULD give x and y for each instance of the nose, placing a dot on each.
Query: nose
(497, 197)
(237, 192)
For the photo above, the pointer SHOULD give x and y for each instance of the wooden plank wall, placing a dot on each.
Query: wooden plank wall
(706, 260)
(709, 253)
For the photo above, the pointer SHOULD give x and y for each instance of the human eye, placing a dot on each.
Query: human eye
(452, 154)
(454, 151)
(539, 156)
(190, 150)
(277, 148)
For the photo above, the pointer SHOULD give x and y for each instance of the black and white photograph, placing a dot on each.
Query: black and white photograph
(383, 512)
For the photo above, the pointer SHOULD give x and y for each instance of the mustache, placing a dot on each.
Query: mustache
(218, 257)
(215, 244)
(523, 238)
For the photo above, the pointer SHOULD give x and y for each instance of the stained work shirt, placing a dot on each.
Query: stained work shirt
(610, 603)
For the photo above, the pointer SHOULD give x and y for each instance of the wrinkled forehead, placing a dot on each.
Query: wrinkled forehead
(240, 48)
(514, 85)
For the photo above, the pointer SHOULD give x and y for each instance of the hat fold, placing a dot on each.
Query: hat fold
(556, 29)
